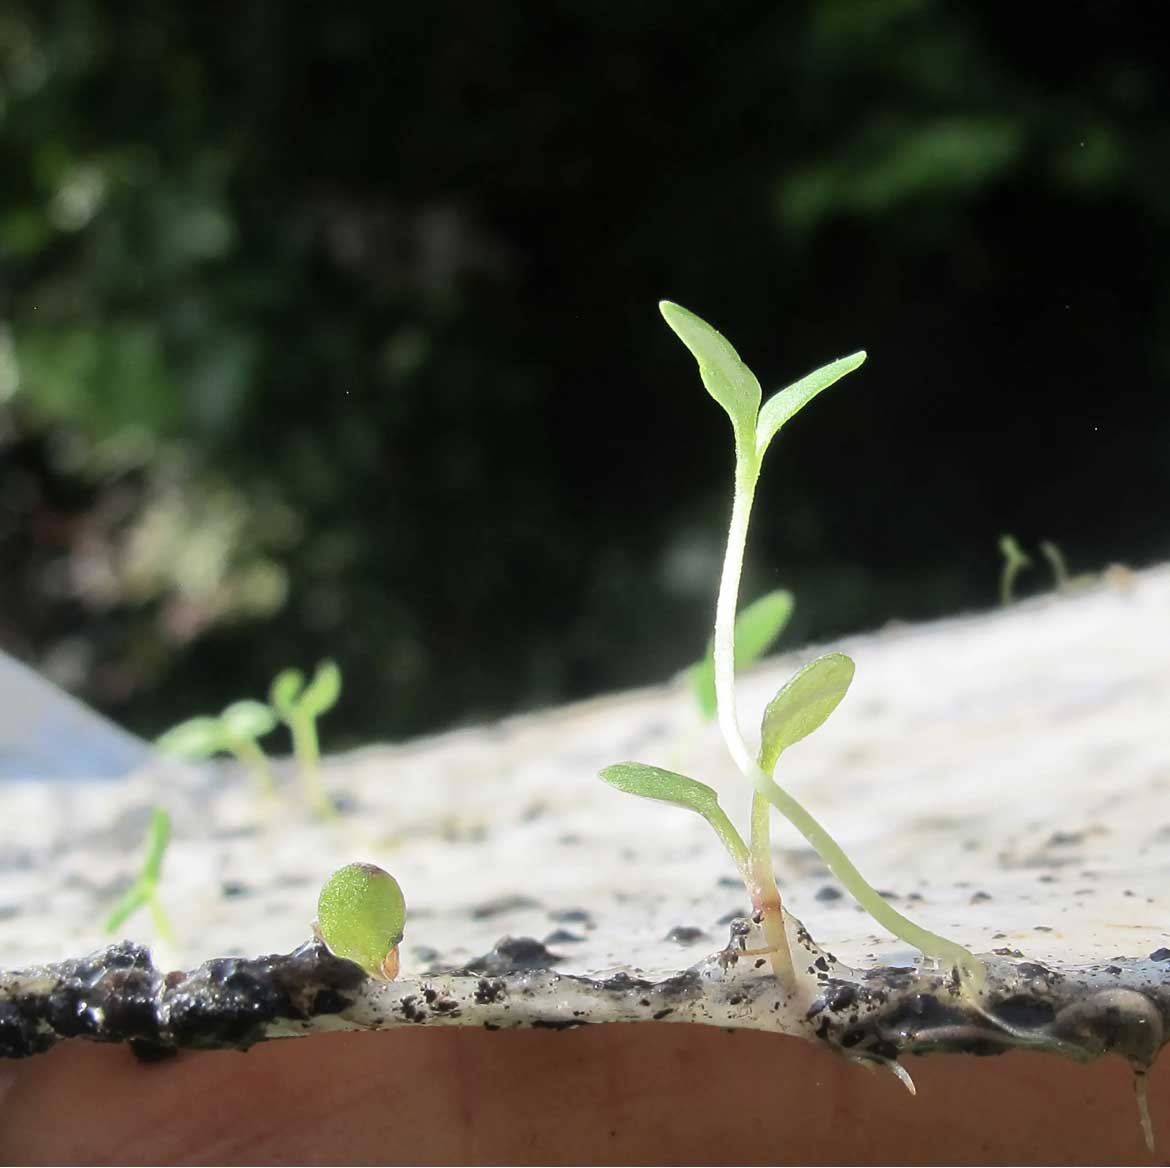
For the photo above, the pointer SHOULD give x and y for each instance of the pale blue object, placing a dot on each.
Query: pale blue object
(47, 734)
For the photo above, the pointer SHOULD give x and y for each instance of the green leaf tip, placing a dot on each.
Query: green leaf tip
(728, 380)
(361, 914)
(783, 405)
(756, 629)
(650, 782)
(195, 738)
(248, 720)
(286, 688)
(803, 704)
(322, 692)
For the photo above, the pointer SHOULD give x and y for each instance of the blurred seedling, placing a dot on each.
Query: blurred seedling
(299, 706)
(144, 890)
(361, 916)
(1015, 560)
(756, 629)
(234, 732)
(800, 706)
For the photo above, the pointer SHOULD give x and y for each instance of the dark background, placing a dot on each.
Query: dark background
(331, 330)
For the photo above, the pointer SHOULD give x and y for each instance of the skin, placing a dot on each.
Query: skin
(615, 1094)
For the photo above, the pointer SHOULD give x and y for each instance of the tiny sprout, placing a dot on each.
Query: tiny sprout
(299, 706)
(756, 628)
(360, 916)
(144, 890)
(1015, 559)
(234, 732)
(801, 706)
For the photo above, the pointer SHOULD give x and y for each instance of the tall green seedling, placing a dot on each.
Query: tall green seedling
(801, 705)
(144, 890)
(299, 706)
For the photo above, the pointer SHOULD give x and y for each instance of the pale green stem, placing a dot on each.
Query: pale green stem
(308, 752)
(162, 923)
(731, 840)
(254, 761)
(765, 895)
(765, 890)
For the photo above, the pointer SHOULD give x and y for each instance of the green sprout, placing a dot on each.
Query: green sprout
(299, 706)
(234, 732)
(361, 914)
(756, 628)
(801, 705)
(1015, 560)
(144, 890)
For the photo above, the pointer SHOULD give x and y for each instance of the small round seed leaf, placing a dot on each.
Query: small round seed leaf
(195, 738)
(803, 703)
(361, 914)
(285, 691)
(636, 778)
(248, 719)
(728, 380)
(322, 692)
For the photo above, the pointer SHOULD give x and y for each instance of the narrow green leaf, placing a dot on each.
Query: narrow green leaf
(156, 846)
(361, 914)
(322, 692)
(701, 676)
(782, 405)
(758, 625)
(636, 778)
(195, 738)
(756, 628)
(285, 691)
(130, 902)
(804, 702)
(248, 720)
(728, 380)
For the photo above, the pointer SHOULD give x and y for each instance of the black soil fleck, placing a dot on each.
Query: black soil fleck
(685, 935)
(502, 904)
(512, 955)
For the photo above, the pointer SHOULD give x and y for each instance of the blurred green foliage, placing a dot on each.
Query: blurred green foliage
(313, 321)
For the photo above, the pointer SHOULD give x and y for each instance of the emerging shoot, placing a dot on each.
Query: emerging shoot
(299, 706)
(144, 890)
(234, 732)
(1015, 560)
(800, 706)
(361, 914)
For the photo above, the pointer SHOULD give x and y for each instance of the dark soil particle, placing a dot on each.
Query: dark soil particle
(489, 991)
(512, 954)
(685, 935)
(563, 937)
(1160, 955)
(557, 1024)
(502, 904)
(829, 892)
(1024, 1012)
(622, 982)
(659, 1015)
(571, 916)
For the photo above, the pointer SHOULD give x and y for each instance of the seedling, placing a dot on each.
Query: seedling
(801, 705)
(361, 914)
(144, 890)
(756, 629)
(234, 732)
(1015, 560)
(299, 706)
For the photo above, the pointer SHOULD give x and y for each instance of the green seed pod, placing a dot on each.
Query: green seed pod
(360, 916)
